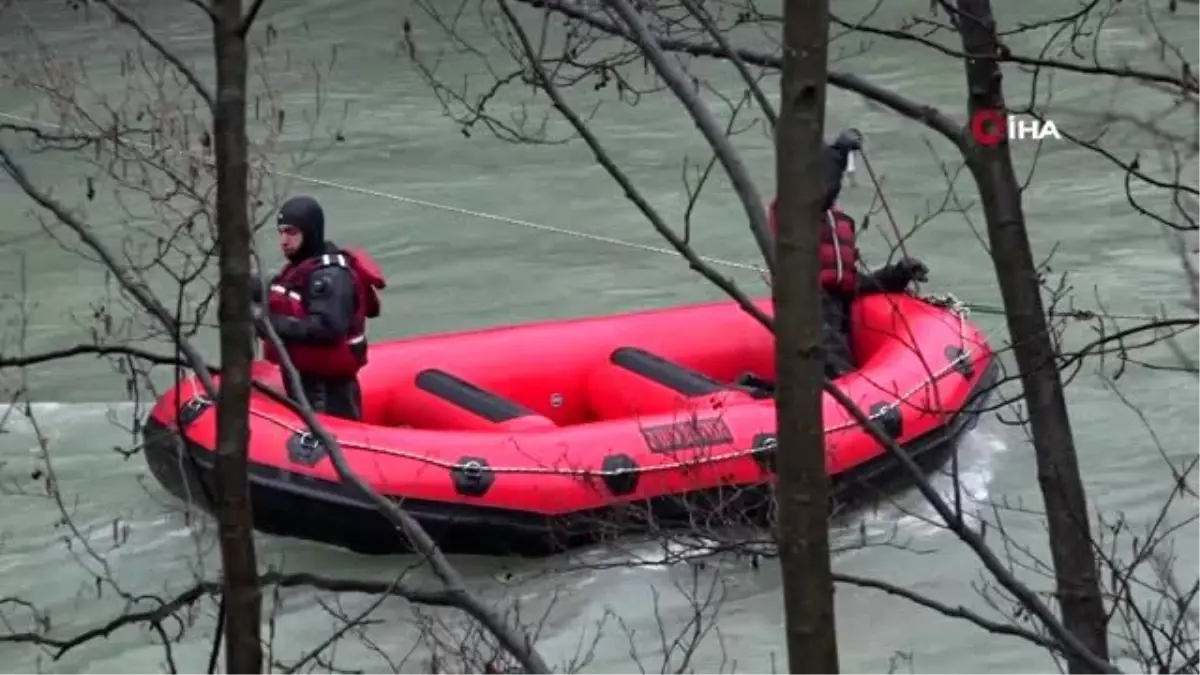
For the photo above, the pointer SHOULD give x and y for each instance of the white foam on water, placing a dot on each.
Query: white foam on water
(13, 417)
(912, 516)
(908, 515)
(663, 555)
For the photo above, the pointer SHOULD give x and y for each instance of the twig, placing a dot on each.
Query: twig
(136, 287)
(631, 192)
(128, 19)
(251, 15)
(887, 209)
(883, 201)
(971, 538)
(439, 598)
(919, 112)
(944, 609)
(517, 644)
(98, 350)
(739, 175)
(715, 33)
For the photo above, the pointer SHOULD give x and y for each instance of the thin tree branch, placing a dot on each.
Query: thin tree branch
(739, 175)
(98, 350)
(510, 637)
(251, 15)
(74, 140)
(136, 287)
(128, 19)
(715, 33)
(204, 7)
(918, 112)
(971, 538)
(439, 598)
(631, 192)
(944, 609)
(1186, 82)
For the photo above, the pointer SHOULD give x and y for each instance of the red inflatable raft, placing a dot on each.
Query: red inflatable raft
(532, 438)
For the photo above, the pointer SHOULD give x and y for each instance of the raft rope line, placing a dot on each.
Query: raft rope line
(483, 215)
(952, 304)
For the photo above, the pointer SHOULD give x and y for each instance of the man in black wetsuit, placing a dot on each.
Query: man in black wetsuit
(318, 306)
(840, 279)
(839, 258)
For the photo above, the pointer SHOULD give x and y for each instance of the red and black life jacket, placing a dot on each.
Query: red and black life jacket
(344, 359)
(837, 251)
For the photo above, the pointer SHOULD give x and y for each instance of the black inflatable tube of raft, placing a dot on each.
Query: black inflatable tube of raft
(470, 397)
(684, 380)
(294, 505)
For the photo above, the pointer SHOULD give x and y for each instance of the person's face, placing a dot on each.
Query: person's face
(290, 239)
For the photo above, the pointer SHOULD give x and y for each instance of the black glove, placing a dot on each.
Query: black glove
(896, 277)
(848, 140)
(913, 270)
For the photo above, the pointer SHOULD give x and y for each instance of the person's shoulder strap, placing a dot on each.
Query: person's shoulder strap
(335, 259)
(366, 267)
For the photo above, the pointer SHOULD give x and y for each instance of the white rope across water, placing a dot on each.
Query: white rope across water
(506, 219)
(483, 215)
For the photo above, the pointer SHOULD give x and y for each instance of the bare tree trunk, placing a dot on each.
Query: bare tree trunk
(1075, 569)
(243, 603)
(803, 488)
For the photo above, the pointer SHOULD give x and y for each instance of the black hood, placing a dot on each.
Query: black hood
(305, 214)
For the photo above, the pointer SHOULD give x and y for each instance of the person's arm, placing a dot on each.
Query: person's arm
(833, 168)
(834, 159)
(330, 302)
(892, 278)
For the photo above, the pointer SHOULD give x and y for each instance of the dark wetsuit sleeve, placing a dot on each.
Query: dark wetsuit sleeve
(833, 168)
(256, 289)
(887, 279)
(329, 299)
